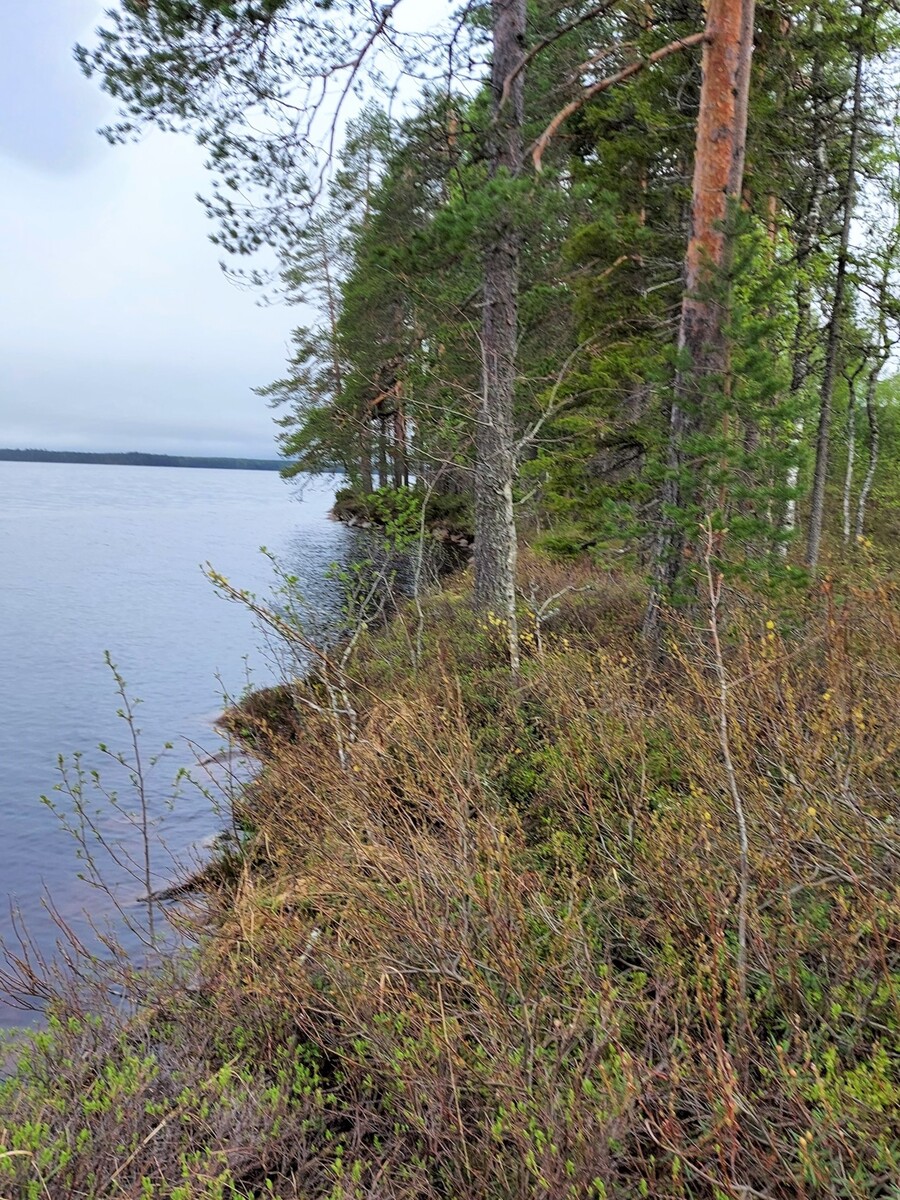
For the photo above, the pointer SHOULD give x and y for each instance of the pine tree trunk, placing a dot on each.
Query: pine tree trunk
(810, 231)
(884, 346)
(884, 353)
(401, 464)
(874, 440)
(718, 177)
(851, 456)
(801, 353)
(365, 451)
(789, 525)
(383, 478)
(835, 325)
(809, 236)
(495, 530)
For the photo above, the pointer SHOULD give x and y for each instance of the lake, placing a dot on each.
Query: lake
(98, 558)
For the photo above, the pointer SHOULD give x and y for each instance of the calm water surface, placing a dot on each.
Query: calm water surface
(96, 558)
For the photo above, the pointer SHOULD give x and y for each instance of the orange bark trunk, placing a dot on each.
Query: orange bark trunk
(718, 179)
(718, 169)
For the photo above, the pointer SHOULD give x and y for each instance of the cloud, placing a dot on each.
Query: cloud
(49, 111)
(117, 328)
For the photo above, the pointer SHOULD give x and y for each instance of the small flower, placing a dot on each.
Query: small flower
(811, 811)
(770, 624)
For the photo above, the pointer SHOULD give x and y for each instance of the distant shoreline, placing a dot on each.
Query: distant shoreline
(138, 459)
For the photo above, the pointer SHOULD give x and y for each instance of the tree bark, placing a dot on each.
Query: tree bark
(383, 479)
(364, 436)
(718, 178)
(883, 354)
(885, 343)
(401, 463)
(874, 440)
(495, 530)
(851, 454)
(836, 323)
(810, 233)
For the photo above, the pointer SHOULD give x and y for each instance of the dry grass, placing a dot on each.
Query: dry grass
(497, 956)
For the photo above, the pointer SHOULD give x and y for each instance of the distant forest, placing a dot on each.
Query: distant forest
(136, 459)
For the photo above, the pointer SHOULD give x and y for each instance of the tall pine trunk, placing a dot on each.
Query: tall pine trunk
(851, 454)
(874, 441)
(495, 529)
(885, 344)
(836, 322)
(718, 177)
(807, 240)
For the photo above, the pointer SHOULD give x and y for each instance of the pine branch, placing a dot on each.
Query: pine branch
(540, 146)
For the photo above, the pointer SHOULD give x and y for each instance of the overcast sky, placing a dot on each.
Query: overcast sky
(118, 331)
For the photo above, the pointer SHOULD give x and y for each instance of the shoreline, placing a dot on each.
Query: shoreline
(140, 459)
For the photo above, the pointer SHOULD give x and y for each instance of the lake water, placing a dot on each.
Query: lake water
(96, 558)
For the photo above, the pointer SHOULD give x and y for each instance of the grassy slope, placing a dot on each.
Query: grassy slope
(496, 956)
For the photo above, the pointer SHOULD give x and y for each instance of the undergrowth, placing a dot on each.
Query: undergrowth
(494, 953)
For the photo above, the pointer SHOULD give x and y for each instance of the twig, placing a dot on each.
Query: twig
(555, 405)
(714, 586)
(542, 612)
(27, 1154)
(459, 1120)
